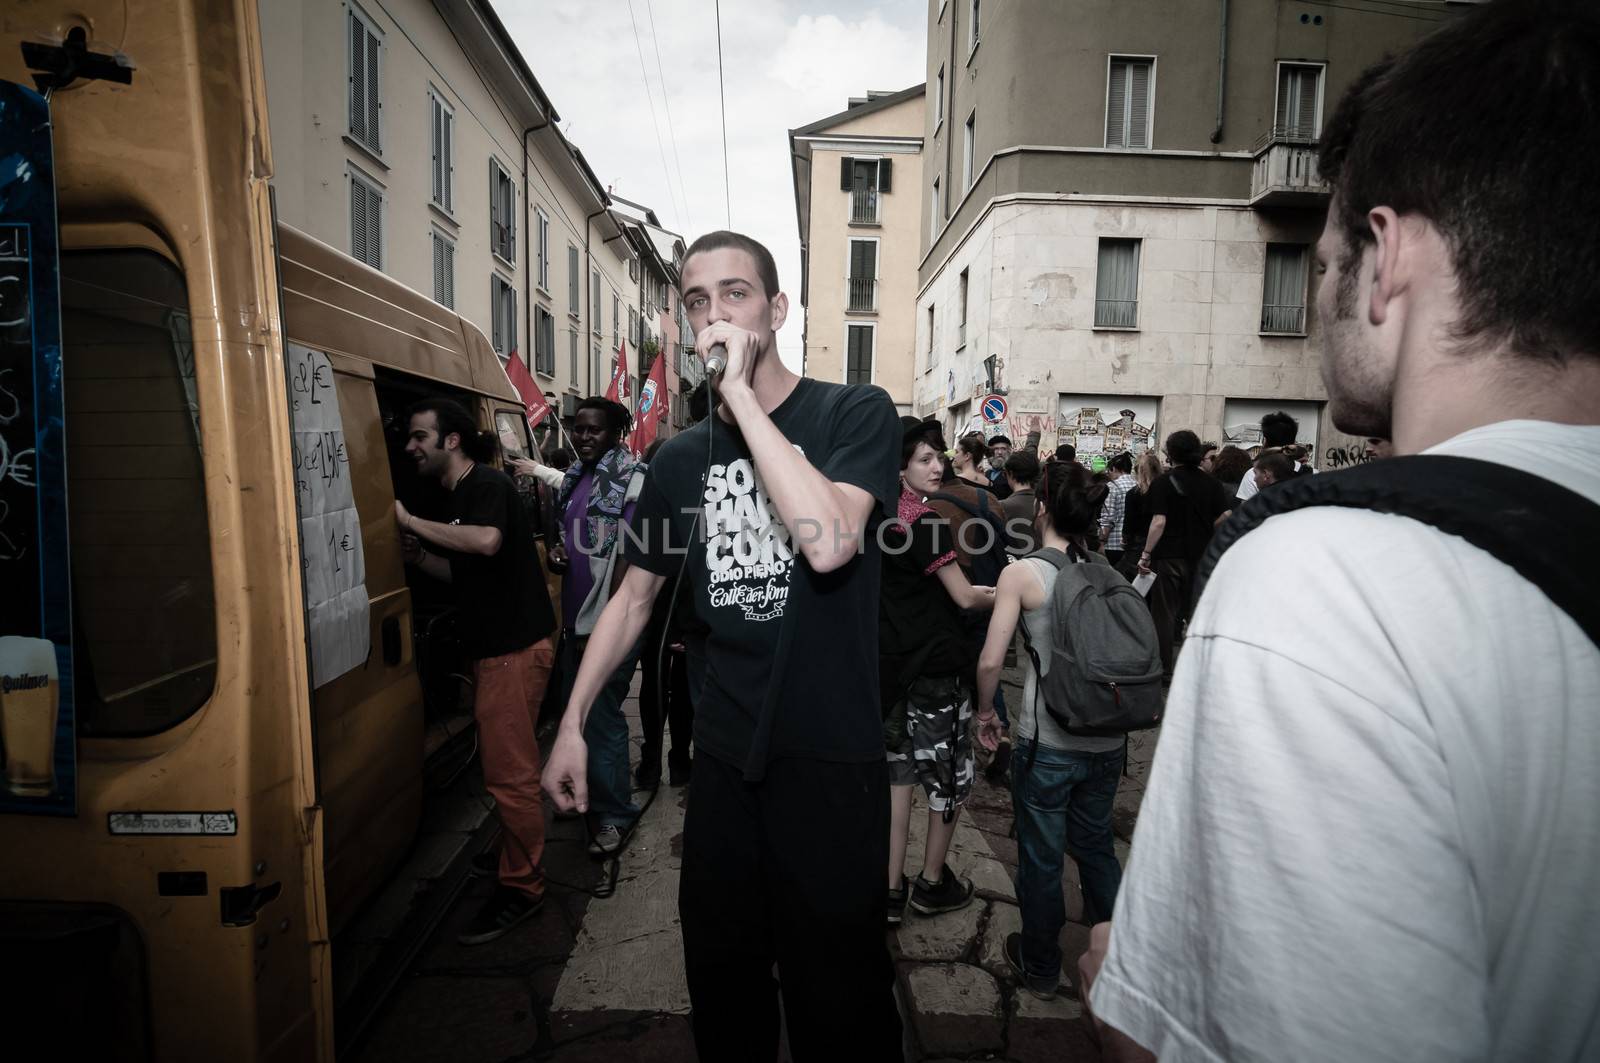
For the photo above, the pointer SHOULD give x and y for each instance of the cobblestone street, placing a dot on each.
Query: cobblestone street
(601, 978)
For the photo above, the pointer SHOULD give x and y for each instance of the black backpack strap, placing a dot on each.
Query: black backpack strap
(1499, 509)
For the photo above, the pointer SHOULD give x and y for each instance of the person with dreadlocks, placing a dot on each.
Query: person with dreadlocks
(596, 498)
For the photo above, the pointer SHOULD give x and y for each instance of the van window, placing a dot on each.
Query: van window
(143, 606)
(512, 428)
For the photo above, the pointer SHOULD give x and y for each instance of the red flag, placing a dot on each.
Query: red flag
(618, 388)
(652, 406)
(532, 398)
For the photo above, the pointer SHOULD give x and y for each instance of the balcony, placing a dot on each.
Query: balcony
(1287, 319)
(1285, 172)
(863, 294)
(863, 206)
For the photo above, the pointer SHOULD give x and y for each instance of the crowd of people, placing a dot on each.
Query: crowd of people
(1369, 831)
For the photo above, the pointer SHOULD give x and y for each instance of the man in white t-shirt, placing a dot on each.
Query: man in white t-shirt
(1372, 830)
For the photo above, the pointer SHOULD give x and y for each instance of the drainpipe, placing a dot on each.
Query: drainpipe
(1222, 71)
(949, 122)
(528, 237)
(588, 296)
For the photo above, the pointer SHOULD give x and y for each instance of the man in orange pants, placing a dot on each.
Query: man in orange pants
(486, 552)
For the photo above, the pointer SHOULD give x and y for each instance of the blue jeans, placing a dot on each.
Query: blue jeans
(606, 734)
(1062, 802)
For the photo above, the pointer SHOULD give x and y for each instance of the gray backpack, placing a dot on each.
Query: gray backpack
(1105, 663)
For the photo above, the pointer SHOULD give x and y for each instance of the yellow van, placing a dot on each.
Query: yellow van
(229, 817)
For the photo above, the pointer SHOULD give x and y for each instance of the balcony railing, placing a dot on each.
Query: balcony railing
(1116, 313)
(1285, 171)
(863, 293)
(1286, 318)
(864, 206)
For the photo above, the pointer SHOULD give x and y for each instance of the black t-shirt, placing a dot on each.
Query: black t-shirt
(920, 632)
(1191, 501)
(502, 599)
(791, 655)
(1135, 518)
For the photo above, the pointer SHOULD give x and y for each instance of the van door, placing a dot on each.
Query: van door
(189, 879)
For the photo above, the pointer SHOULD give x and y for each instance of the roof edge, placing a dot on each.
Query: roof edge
(882, 103)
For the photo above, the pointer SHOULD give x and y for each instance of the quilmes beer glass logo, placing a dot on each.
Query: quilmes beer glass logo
(11, 683)
(28, 707)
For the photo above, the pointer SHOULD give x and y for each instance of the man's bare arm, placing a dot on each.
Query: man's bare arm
(616, 632)
(826, 519)
(462, 538)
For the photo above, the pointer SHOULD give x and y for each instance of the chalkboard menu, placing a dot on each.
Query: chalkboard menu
(37, 727)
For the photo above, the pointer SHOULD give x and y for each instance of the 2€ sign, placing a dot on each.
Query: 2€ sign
(994, 409)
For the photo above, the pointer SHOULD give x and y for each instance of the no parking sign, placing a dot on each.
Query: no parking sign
(994, 409)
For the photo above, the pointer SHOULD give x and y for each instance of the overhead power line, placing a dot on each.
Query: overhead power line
(666, 100)
(649, 96)
(722, 93)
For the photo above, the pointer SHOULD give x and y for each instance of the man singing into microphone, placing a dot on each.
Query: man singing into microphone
(775, 498)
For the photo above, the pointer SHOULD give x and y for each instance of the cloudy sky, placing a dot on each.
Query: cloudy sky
(786, 63)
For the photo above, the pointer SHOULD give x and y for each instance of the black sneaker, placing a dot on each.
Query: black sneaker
(505, 908)
(485, 864)
(647, 776)
(678, 774)
(1043, 988)
(950, 895)
(607, 840)
(897, 902)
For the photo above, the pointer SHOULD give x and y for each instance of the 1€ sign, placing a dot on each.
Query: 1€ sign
(994, 409)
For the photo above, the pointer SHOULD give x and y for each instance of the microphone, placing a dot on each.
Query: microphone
(716, 359)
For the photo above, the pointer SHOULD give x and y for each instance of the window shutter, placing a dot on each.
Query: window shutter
(885, 175)
(494, 209)
(358, 79)
(358, 220)
(438, 268)
(1117, 106)
(446, 157)
(1139, 105)
(450, 274)
(372, 91)
(497, 337)
(437, 143)
(375, 227)
(1306, 127)
(846, 171)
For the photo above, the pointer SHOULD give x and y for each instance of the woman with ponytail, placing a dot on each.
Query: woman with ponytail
(1062, 785)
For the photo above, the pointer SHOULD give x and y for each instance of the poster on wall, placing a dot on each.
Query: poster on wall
(1107, 425)
(38, 725)
(1024, 423)
(337, 609)
(1241, 422)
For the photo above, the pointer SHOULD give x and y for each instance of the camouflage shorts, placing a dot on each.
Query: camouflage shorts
(935, 747)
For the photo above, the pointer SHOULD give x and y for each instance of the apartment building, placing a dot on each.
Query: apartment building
(660, 327)
(1119, 203)
(857, 176)
(412, 135)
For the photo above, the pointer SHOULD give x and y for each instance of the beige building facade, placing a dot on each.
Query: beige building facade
(413, 136)
(856, 178)
(1119, 206)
